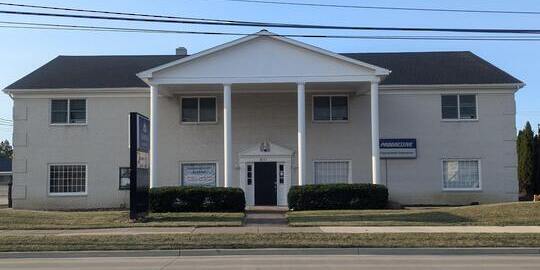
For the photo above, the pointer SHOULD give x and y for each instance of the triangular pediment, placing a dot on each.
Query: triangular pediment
(266, 149)
(259, 56)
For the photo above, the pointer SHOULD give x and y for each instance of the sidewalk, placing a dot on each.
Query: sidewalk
(276, 229)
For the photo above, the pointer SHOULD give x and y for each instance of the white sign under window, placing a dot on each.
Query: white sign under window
(199, 174)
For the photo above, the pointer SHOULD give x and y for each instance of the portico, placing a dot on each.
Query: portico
(251, 66)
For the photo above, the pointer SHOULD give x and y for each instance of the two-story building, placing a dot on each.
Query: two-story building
(265, 112)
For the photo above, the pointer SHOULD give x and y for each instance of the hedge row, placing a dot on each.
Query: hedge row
(197, 199)
(338, 196)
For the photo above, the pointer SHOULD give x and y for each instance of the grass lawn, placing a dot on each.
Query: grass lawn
(27, 220)
(270, 240)
(506, 214)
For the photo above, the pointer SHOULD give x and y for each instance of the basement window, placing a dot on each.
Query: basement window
(199, 174)
(332, 171)
(67, 179)
(461, 174)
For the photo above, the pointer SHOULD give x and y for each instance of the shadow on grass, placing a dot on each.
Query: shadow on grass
(431, 217)
(179, 217)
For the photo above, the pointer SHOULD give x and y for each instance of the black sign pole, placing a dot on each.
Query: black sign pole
(133, 166)
(139, 163)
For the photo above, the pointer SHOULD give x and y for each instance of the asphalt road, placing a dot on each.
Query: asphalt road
(285, 262)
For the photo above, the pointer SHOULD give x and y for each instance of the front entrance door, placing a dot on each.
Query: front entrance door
(265, 183)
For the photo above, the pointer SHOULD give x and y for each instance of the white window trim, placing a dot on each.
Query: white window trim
(330, 120)
(458, 108)
(462, 159)
(198, 122)
(68, 194)
(68, 111)
(349, 180)
(181, 171)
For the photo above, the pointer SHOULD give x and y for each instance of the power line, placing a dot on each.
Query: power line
(299, 26)
(46, 26)
(388, 7)
(121, 13)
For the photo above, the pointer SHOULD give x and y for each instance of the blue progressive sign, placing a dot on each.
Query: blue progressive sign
(397, 148)
(143, 130)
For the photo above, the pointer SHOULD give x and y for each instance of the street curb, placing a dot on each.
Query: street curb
(272, 251)
(81, 254)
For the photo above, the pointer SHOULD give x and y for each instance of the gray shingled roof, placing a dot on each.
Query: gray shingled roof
(5, 165)
(415, 68)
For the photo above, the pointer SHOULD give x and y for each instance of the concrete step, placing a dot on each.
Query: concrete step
(265, 216)
(266, 209)
(262, 218)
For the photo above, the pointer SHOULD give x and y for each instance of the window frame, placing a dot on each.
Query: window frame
(67, 194)
(198, 122)
(459, 119)
(68, 117)
(349, 180)
(181, 171)
(479, 161)
(330, 102)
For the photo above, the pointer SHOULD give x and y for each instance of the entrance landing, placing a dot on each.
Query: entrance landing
(265, 216)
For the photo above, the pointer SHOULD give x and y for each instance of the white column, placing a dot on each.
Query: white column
(375, 157)
(153, 135)
(227, 136)
(301, 133)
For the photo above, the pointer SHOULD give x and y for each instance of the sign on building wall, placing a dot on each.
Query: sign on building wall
(397, 148)
(199, 174)
(139, 155)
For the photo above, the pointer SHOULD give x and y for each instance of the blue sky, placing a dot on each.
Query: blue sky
(22, 51)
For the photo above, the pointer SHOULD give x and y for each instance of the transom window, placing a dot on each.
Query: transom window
(458, 107)
(67, 179)
(331, 172)
(199, 174)
(199, 110)
(461, 174)
(68, 111)
(330, 108)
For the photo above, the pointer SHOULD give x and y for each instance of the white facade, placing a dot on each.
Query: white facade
(264, 89)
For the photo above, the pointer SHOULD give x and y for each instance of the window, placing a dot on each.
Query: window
(199, 110)
(458, 106)
(67, 179)
(68, 111)
(249, 174)
(330, 108)
(461, 174)
(281, 173)
(199, 174)
(330, 172)
(125, 180)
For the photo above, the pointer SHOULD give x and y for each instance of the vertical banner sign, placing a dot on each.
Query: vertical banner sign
(139, 162)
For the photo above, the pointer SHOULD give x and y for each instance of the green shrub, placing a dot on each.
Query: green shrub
(197, 199)
(338, 196)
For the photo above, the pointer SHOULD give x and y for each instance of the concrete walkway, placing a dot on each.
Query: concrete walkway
(276, 229)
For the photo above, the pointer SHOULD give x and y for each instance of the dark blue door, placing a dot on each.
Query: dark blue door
(265, 183)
